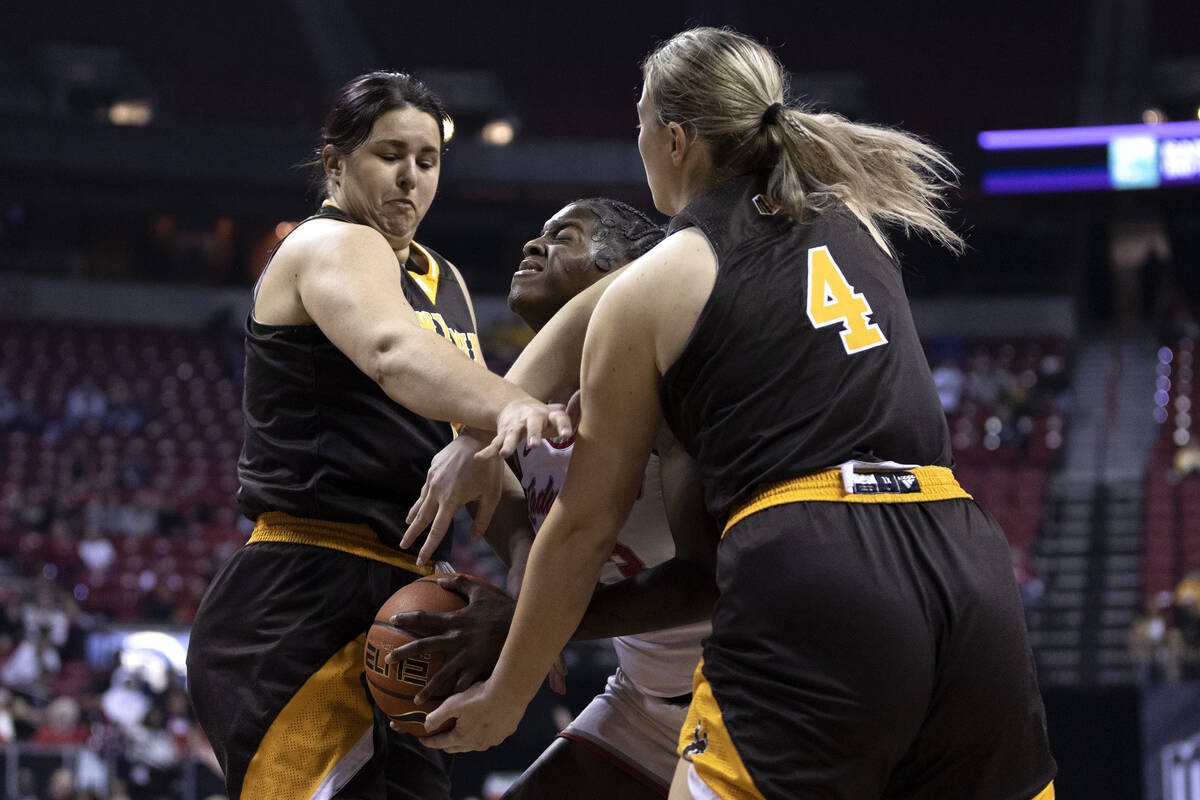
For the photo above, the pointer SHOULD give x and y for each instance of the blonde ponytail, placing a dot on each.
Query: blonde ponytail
(727, 90)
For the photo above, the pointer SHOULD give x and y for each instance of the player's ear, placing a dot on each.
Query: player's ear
(679, 142)
(331, 162)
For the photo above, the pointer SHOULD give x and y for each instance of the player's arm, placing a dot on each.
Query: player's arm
(679, 591)
(639, 326)
(548, 368)
(347, 284)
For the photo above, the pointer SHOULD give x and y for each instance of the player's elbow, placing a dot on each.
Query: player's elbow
(390, 363)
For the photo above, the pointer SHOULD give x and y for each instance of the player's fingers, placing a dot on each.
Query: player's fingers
(536, 421)
(421, 623)
(425, 515)
(493, 448)
(560, 424)
(461, 585)
(412, 512)
(428, 644)
(441, 682)
(483, 512)
(435, 719)
(511, 440)
(441, 523)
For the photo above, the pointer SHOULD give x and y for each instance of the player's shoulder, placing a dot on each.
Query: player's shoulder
(332, 239)
(679, 265)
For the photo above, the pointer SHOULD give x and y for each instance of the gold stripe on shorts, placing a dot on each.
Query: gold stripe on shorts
(937, 483)
(348, 537)
(1045, 794)
(705, 742)
(315, 732)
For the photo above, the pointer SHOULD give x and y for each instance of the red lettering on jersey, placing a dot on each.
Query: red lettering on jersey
(626, 560)
(540, 500)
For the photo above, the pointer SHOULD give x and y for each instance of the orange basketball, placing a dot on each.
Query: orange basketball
(394, 685)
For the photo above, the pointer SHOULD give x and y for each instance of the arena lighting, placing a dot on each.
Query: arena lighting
(1039, 138)
(498, 132)
(447, 130)
(130, 112)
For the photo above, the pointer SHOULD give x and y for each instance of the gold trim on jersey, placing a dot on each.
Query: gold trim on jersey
(428, 280)
(936, 483)
(290, 760)
(348, 537)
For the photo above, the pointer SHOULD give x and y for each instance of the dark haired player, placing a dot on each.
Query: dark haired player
(358, 341)
(623, 743)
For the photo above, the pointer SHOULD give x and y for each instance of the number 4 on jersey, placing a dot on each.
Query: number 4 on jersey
(832, 300)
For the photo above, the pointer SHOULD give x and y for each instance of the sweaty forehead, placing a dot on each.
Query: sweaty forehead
(576, 214)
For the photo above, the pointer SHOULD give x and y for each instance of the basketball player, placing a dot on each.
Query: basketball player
(623, 743)
(358, 340)
(869, 639)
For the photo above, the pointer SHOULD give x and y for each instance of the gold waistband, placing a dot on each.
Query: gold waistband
(936, 483)
(348, 537)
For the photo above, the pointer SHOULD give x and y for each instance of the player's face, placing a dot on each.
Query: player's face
(654, 143)
(389, 181)
(558, 264)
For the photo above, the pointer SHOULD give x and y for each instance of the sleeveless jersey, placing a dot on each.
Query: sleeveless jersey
(805, 355)
(661, 663)
(323, 440)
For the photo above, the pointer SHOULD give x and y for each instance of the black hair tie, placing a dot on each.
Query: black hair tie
(770, 116)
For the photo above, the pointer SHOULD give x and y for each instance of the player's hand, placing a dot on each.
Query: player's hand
(470, 637)
(485, 715)
(526, 421)
(455, 478)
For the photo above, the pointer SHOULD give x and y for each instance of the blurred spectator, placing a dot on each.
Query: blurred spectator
(61, 725)
(16, 711)
(136, 514)
(32, 666)
(38, 510)
(1187, 460)
(124, 703)
(61, 785)
(44, 612)
(124, 411)
(159, 605)
(84, 401)
(948, 378)
(1187, 617)
(28, 416)
(95, 551)
(12, 622)
(8, 722)
(26, 785)
(1156, 647)
(153, 756)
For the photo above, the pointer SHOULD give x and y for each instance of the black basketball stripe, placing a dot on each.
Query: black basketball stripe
(396, 628)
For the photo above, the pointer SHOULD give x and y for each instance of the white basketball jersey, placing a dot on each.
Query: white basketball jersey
(660, 663)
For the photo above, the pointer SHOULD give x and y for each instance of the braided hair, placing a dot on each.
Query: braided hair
(624, 232)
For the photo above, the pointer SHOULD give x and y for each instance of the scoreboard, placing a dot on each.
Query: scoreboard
(1096, 158)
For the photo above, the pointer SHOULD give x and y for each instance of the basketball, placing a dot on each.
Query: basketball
(393, 686)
